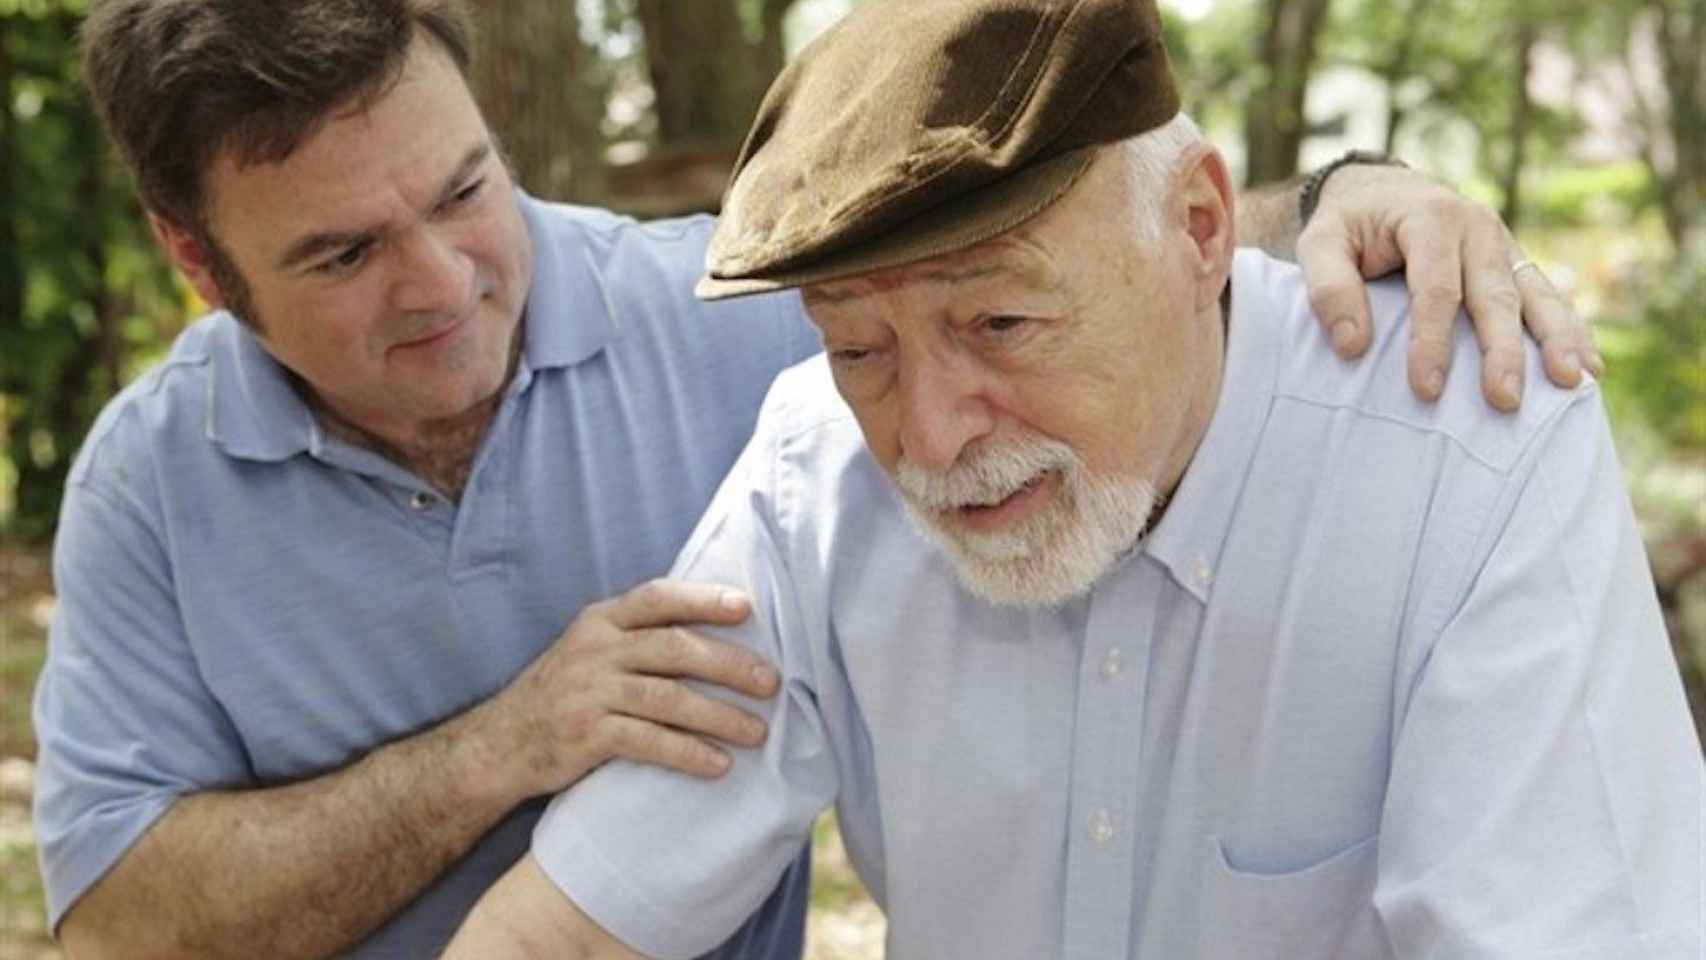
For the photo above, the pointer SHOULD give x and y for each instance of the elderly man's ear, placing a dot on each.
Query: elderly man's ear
(1203, 205)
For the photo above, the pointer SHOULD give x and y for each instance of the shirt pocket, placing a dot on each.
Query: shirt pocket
(1321, 911)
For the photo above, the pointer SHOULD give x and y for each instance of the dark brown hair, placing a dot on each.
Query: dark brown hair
(177, 81)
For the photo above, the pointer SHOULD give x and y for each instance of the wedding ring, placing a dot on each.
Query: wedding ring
(1522, 265)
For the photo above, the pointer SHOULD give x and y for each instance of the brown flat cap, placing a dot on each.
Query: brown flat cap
(914, 128)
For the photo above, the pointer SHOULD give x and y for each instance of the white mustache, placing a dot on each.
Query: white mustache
(986, 474)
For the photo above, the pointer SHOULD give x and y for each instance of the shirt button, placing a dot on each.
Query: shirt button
(420, 501)
(1101, 827)
(1112, 664)
(1202, 572)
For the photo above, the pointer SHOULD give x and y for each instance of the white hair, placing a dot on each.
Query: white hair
(1151, 160)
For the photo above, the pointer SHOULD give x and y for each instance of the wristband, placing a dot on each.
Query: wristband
(1310, 196)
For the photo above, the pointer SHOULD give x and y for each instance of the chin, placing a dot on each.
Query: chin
(1033, 581)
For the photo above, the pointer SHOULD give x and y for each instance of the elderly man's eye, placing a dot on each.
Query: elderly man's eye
(845, 356)
(1002, 324)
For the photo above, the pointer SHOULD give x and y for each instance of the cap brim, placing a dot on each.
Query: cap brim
(963, 222)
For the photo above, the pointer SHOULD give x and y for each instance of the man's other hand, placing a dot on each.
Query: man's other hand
(1455, 252)
(613, 685)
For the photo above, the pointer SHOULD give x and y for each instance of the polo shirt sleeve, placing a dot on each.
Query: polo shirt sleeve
(124, 723)
(1546, 789)
(669, 864)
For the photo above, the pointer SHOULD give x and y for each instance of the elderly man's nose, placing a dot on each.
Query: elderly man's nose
(941, 410)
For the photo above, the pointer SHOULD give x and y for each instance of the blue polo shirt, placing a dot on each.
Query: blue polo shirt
(245, 599)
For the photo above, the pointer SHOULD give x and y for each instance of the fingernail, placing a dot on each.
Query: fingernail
(1512, 387)
(1596, 363)
(1572, 367)
(732, 600)
(1435, 381)
(1344, 334)
(756, 731)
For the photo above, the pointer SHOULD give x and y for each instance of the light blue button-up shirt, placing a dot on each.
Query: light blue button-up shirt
(1387, 680)
(245, 599)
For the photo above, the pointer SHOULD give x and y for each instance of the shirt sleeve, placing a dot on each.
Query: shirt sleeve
(124, 723)
(669, 864)
(1545, 796)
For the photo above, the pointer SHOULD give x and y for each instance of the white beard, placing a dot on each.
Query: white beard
(1050, 557)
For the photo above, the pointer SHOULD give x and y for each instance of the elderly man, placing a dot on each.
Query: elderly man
(310, 670)
(1219, 646)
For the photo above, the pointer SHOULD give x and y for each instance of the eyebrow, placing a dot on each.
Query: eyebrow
(315, 245)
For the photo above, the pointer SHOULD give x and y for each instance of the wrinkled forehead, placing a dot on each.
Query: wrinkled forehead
(1019, 263)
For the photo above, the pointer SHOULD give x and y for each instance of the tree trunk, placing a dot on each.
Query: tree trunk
(706, 74)
(1397, 68)
(1522, 119)
(771, 53)
(531, 77)
(1274, 124)
(1681, 39)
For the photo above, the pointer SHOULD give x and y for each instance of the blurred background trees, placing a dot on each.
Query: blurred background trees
(1585, 122)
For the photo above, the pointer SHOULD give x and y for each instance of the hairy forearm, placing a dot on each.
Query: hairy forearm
(1267, 218)
(311, 868)
(301, 870)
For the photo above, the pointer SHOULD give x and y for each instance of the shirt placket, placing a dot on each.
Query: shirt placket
(1103, 839)
(482, 522)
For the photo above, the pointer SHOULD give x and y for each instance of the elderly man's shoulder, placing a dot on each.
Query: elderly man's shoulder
(807, 450)
(1377, 384)
(803, 403)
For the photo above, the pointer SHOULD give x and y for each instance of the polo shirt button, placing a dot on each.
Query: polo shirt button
(1112, 664)
(420, 501)
(1101, 827)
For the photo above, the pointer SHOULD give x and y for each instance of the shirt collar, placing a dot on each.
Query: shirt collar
(255, 413)
(1189, 538)
(569, 315)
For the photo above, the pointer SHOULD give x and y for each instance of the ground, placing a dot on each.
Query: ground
(844, 924)
(26, 601)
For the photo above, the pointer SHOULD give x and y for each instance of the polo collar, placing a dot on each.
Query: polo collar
(1191, 534)
(570, 317)
(255, 413)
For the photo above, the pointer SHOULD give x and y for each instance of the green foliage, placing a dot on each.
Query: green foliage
(1213, 59)
(1655, 341)
(90, 291)
(1568, 197)
(41, 9)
